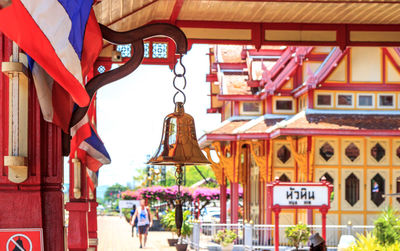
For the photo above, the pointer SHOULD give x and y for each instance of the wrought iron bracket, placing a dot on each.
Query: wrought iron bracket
(134, 37)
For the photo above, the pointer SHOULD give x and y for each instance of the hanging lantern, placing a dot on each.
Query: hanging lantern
(179, 146)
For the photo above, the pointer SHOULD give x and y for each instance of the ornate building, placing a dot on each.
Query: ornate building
(301, 113)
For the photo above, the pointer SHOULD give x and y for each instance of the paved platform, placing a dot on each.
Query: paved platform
(115, 235)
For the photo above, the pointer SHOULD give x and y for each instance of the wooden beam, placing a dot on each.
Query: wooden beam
(175, 11)
(131, 13)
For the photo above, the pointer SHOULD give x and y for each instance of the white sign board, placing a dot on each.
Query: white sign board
(300, 195)
(128, 203)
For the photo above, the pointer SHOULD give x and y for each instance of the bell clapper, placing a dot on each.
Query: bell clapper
(178, 203)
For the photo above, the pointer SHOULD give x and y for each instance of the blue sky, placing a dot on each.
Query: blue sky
(131, 112)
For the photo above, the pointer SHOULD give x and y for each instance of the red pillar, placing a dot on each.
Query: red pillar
(276, 241)
(234, 202)
(78, 208)
(92, 224)
(38, 201)
(324, 211)
(222, 199)
(310, 220)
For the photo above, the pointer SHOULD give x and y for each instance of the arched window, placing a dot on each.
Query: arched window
(377, 189)
(398, 188)
(283, 154)
(352, 194)
(284, 178)
(326, 151)
(377, 152)
(330, 180)
(352, 152)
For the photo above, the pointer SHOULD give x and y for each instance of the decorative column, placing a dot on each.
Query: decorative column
(31, 165)
(310, 161)
(218, 170)
(92, 222)
(227, 155)
(259, 151)
(78, 208)
(222, 200)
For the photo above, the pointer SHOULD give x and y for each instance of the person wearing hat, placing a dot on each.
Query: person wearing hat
(317, 243)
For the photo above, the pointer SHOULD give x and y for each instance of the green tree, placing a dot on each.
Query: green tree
(387, 227)
(113, 191)
(193, 176)
(297, 235)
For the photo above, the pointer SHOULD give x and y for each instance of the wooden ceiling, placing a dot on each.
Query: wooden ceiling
(124, 15)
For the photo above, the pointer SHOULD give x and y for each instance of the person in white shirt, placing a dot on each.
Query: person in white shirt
(145, 221)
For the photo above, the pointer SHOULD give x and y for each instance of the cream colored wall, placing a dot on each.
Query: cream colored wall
(366, 64)
(333, 172)
(339, 74)
(365, 168)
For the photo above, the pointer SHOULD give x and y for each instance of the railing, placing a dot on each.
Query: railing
(261, 237)
(204, 233)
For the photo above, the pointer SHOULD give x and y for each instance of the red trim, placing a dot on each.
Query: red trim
(308, 132)
(244, 136)
(317, 57)
(253, 83)
(213, 110)
(212, 77)
(175, 11)
(236, 108)
(265, 52)
(393, 61)
(239, 97)
(231, 66)
(358, 87)
(342, 32)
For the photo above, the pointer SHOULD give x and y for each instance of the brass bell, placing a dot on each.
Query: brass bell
(179, 144)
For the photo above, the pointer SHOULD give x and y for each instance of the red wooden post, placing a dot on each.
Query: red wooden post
(309, 147)
(222, 199)
(234, 202)
(38, 201)
(324, 211)
(77, 226)
(276, 241)
(92, 224)
(78, 208)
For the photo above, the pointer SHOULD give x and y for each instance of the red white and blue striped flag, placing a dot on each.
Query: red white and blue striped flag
(63, 40)
(87, 146)
(62, 36)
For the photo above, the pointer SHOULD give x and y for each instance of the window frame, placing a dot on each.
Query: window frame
(242, 112)
(393, 106)
(324, 106)
(283, 111)
(345, 106)
(372, 95)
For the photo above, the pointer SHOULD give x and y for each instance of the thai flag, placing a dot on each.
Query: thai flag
(375, 189)
(62, 36)
(87, 145)
(55, 102)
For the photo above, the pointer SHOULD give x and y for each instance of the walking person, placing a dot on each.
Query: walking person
(134, 225)
(145, 221)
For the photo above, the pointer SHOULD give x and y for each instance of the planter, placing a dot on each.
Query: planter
(229, 247)
(172, 242)
(181, 247)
